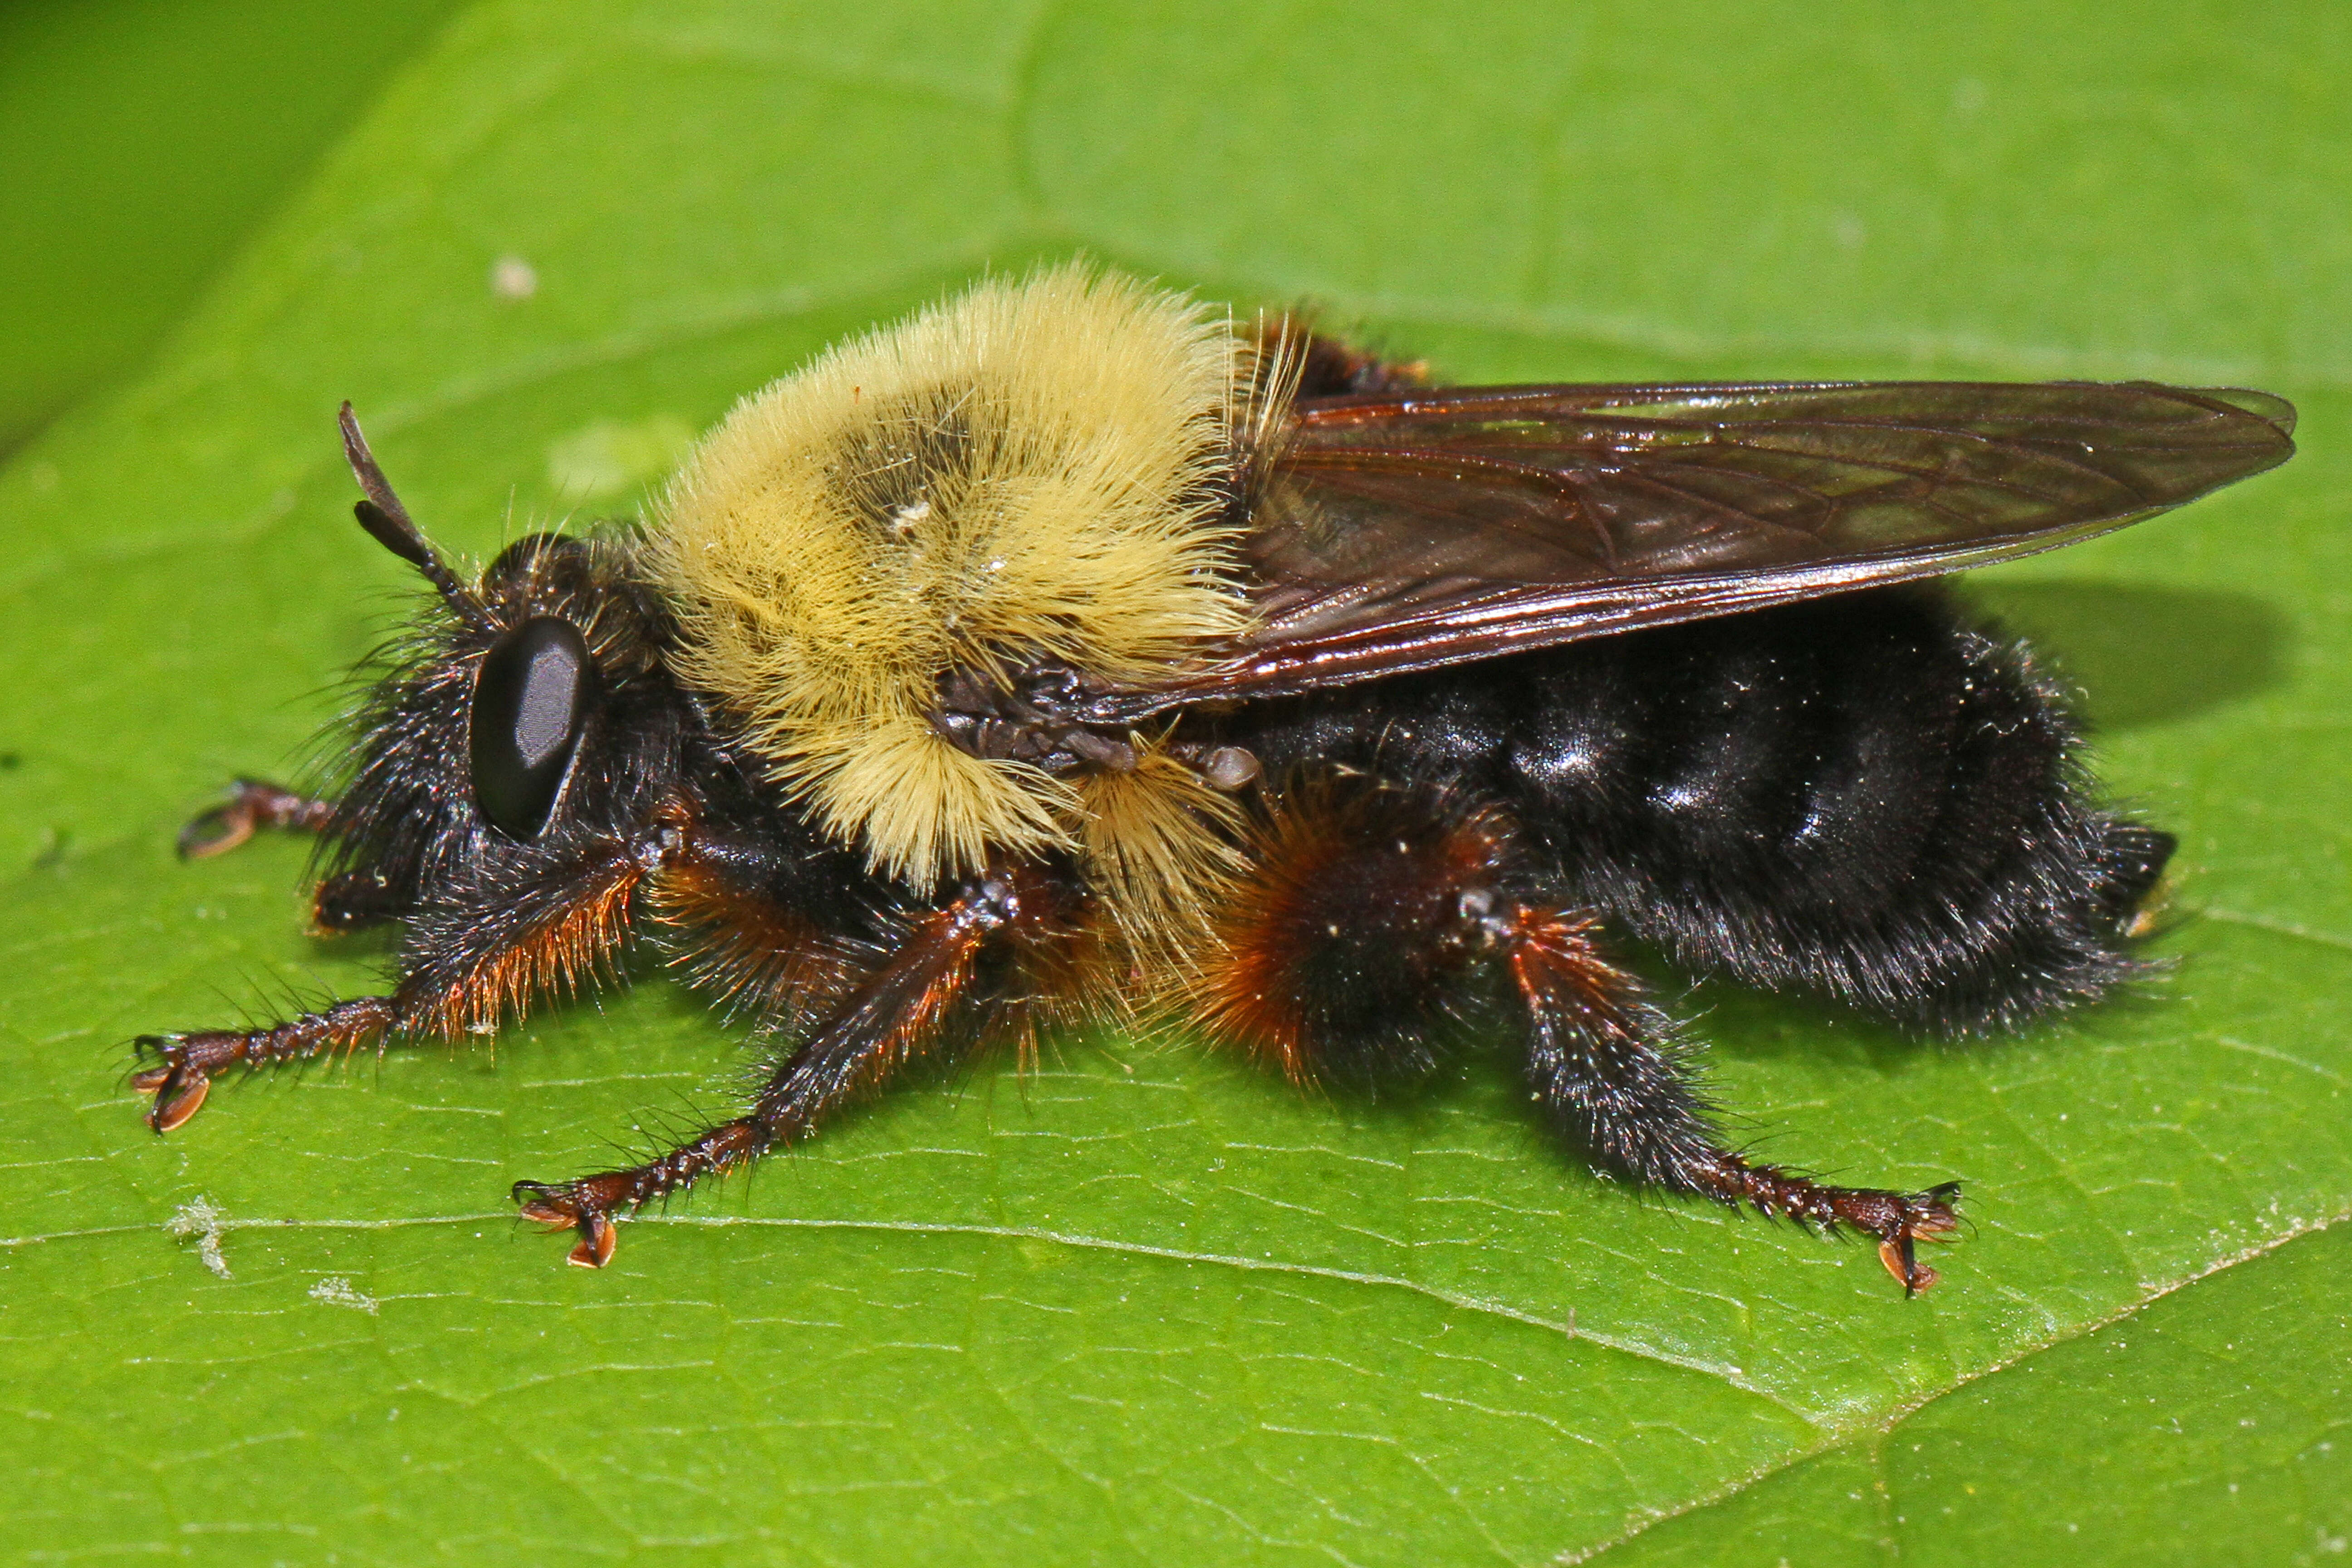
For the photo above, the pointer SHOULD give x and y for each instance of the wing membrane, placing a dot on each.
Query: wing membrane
(1400, 532)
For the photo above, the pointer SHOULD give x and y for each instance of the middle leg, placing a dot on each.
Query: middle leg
(900, 1010)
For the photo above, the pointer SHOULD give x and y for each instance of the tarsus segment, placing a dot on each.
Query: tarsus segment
(251, 804)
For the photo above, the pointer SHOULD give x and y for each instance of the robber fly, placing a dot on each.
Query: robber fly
(1067, 649)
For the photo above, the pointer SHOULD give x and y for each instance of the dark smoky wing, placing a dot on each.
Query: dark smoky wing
(1398, 533)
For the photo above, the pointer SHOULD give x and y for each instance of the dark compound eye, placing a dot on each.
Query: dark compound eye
(529, 702)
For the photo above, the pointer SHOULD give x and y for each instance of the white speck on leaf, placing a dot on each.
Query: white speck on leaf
(337, 1291)
(202, 1218)
(512, 278)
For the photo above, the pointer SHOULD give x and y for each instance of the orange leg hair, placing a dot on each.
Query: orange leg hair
(895, 1015)
(463, 973)
(479, 954)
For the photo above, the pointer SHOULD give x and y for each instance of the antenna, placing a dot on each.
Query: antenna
(387, 521)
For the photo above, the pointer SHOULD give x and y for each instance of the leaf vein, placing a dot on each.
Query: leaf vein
(1876, 1431)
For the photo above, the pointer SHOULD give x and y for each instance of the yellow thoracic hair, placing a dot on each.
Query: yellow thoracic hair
(1027, 470)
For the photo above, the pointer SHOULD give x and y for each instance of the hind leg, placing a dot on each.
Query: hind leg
(1370, 918)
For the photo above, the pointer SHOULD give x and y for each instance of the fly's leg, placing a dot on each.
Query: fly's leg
(184, 1073)
(891, 1017)
(344, 902)
(1370, 917)
(545, 923)
(1602, 1063)
(251, 805)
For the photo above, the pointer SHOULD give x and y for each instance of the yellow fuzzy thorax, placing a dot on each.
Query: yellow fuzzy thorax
(1028, 471)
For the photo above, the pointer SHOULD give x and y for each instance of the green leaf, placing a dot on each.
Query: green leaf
(1141, 1304)
(2203, 1428)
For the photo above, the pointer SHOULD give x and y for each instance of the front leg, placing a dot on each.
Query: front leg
(344, 902)
(538, 922)
(252, 805)
(183, 1076)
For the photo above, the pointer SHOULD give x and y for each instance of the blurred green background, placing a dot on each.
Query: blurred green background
(1141, 1304)
(140, 140)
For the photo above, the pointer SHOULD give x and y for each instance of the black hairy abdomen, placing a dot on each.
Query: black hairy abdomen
(1863, 796)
